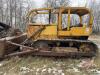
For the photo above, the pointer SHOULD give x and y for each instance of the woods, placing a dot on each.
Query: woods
(13, 12)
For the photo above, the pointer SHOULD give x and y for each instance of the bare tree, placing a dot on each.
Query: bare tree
(1, 10)
(13, 12)
(94, 5)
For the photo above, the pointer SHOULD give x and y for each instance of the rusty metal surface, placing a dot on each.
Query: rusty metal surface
(7, 48)
(51, 54)
(27, 52)
(67, 54)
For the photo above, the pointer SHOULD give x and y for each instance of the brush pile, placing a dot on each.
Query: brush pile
(8, 31)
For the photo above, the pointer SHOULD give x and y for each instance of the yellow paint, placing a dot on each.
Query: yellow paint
(54, 31)
(76, 31)
(50, 30)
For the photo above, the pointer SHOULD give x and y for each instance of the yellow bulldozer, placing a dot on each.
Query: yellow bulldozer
(53, 38)
(62, 31)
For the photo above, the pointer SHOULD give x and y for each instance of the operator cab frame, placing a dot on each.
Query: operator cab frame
(81, 30)
(80, 11)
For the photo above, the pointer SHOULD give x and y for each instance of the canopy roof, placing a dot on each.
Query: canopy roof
(76, 10)
(73, 10)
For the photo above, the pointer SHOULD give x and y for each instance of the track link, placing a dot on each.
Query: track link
(85, 48)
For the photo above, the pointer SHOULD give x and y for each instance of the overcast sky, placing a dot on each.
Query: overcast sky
(39, 3)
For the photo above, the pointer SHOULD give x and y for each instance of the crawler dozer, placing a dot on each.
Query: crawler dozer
(59, 32)
(53, 38)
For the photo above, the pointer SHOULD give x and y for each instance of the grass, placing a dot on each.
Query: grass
(42, 66)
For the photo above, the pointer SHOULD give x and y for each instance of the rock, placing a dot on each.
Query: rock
(86, 63)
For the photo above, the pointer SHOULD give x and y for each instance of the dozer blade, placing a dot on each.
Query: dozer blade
(7, 48)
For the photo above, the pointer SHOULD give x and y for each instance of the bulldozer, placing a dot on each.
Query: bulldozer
(57, 32)
(58, 39)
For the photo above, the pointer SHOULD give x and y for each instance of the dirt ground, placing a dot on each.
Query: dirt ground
(50, 66)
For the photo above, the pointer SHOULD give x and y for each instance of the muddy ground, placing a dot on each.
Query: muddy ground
(50, 66)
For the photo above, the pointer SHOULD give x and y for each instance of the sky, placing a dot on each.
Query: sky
(78, 2)
(39, 3)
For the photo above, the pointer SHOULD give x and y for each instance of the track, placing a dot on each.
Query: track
(73, 51)
(62, 54)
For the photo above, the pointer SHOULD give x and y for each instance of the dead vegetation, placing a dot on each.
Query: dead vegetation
(7, 31)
